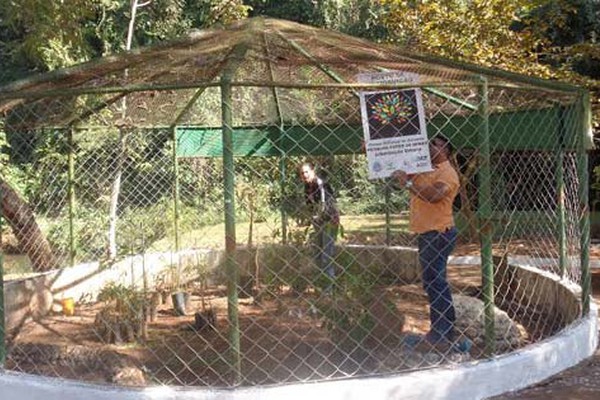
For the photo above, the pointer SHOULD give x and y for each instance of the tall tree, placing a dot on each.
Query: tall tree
(39, 36)
(21, 219)
(361, 18)
(555, 39)
(116, 187)
(479, 31)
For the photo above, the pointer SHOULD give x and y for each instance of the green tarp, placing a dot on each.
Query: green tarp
(540, 130)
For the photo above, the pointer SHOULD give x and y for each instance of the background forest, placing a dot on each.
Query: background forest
(555, 39)
(549, 39)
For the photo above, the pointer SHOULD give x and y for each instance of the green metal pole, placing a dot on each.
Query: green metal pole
(175, 189)
(173, 128)
(282, 173)
(584, 223)
(282, 166)
(388, 217)
(562, 229)
(451, 99)
(504, 75)
(71, 195)
(485, 223)
(2, 312)
(315, 61)
(230, 245)
(235, 58)
(176, 204)
(71, 92)
(560, 190)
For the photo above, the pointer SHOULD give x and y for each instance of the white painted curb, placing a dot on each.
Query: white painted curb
(534, 261)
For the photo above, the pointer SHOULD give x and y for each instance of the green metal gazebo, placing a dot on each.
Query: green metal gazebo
(282, 91)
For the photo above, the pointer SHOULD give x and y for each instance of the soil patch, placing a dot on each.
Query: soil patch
(283, 339)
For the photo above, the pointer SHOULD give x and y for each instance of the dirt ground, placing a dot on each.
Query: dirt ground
(282, 340)
(294, 344)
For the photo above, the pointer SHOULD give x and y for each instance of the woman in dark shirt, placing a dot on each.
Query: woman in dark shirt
(325, 217)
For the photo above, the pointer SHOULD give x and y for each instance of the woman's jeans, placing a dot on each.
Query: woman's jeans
(325, 249)
(434, 249)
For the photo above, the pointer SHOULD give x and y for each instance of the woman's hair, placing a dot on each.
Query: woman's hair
(306, 164)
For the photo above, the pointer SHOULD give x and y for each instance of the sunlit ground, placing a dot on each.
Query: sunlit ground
(363, 229)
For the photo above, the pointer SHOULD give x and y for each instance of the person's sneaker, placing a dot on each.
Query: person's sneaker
(427, 342)
(432, 341)
(435, 338)
(463, 345)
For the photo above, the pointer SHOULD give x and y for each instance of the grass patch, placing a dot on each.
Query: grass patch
(359, 229)
(15, 265)
(367, 229)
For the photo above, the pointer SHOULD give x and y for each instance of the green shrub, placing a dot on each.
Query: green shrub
(347, 312)
(127, 300)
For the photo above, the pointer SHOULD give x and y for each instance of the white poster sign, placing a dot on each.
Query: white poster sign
(394, 126)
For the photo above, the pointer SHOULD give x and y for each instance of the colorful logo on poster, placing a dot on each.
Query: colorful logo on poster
(392, 107)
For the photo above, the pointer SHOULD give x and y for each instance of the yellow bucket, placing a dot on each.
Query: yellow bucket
(68, 306)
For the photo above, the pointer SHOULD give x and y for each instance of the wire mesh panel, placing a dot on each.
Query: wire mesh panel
(183, 246)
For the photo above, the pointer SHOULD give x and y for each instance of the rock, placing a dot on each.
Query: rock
(128, 376)
(110, 365)
(470, 322)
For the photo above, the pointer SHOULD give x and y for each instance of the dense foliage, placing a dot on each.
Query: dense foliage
(546, 38)
(555, 39)
(39, 35)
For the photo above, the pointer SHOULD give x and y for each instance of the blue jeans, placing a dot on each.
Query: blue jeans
(325, 249)
(434, 249)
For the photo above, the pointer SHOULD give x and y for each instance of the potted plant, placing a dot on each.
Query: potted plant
(122, 317)
(179, 295)
(206, 317)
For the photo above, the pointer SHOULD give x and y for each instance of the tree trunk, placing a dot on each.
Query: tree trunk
(116, 189)
(114, 203)
(22, 221)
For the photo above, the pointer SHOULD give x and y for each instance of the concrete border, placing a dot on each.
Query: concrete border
(535, 261)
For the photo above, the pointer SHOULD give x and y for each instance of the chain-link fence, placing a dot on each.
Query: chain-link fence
(156, 229)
